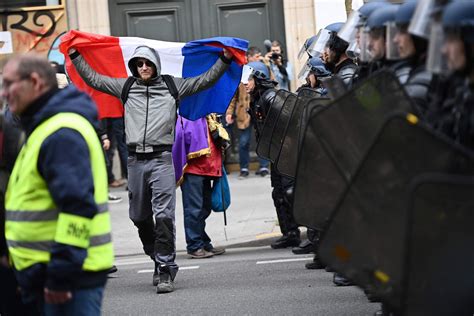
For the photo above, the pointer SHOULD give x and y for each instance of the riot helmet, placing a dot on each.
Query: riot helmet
(314, 65)
(258, 70)
(377, 25)
(336, 46)
(323, 37)
(458, 18)
(410, 45)
(350, 31)
(357, 19)
(458, 25)
(308, 46)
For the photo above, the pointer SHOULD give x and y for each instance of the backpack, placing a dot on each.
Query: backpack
(166, 78)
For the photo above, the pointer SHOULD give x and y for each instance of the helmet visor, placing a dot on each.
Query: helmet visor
(364, 40)
(320, 43)
(306, 48)
(353, 51)
(247, 72)
(436, 63)
(420, 22)
(304, 72)
(348, 30)
(391, 49)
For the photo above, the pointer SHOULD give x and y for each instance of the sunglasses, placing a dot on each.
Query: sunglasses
(140, 63)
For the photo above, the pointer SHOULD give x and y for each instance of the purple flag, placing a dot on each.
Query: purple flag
(191, 141)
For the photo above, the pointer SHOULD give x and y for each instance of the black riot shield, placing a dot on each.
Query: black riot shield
(335, 87)
(280, 127)
(264, 142)
(335, 139)
(366, 237)
(287, 157)
(439, 262)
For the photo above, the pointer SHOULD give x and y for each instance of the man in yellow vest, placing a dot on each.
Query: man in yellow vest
(57, 223)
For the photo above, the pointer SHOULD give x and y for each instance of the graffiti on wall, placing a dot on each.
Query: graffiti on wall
(34, 29)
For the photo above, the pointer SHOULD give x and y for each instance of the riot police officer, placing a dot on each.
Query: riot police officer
(413, 49)
(262, 92)
(312, 73)
(337, 60)
(454, 114)
(380, 30)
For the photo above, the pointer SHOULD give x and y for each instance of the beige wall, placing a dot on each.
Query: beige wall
(299, 25)
(89, 16)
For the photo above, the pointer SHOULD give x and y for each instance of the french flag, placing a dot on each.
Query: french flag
(109, 55)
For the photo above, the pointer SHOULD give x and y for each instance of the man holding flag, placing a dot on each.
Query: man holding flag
(150, 109)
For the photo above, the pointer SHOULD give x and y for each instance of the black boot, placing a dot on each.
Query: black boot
(303, 248)
(290, 240)
(340, 280)
(315, 264)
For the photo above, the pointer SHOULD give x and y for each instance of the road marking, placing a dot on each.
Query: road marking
(180, 268)
(283, 260)
(128, 262)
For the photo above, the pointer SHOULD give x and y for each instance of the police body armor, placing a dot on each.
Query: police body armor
(417, 87)
(402, 70)
(346, 71)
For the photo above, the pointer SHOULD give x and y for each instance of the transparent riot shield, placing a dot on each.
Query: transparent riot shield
(335, 139)
(264, 142)
(287, 156)
(278, 132)
(439, 259)
(366, 236)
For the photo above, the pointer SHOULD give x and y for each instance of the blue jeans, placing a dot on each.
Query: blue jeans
(85, 302)
(244, 148)
(197, 208)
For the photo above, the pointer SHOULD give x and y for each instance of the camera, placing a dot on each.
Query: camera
(275, 56)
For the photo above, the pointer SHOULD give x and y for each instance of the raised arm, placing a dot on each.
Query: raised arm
(206, 80)
(109, 85)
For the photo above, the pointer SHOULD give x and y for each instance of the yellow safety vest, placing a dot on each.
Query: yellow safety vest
(33, 221)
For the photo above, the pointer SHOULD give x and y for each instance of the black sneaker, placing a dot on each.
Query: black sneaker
(165, 283)
(244, 173)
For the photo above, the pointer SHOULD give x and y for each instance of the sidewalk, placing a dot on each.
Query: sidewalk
(250, 217)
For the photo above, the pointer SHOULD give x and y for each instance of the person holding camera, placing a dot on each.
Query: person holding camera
(280, 66)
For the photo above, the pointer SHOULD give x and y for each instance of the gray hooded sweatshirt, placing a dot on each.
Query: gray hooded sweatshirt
(150, 110)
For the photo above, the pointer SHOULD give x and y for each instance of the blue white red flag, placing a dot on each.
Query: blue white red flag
(109, 55)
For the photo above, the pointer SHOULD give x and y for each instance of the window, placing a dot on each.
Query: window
(9, 4)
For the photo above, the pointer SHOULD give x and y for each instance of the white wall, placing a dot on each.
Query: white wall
(331, 11)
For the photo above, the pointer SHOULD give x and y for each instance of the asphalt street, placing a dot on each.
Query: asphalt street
(243, 281)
